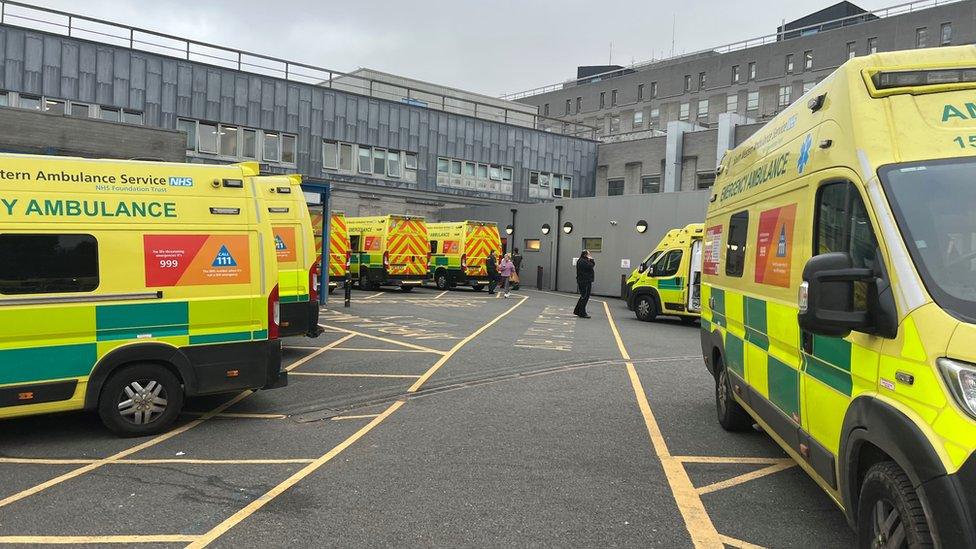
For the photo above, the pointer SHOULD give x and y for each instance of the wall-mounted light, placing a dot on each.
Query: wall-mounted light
(509, 229)
(546, 228)
(641, 227)
(567, 227)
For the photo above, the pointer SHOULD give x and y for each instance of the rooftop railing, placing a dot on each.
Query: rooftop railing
(781, 34)
(18, 14)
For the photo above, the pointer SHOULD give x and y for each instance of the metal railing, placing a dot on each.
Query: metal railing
(19, 14)
(780, 35)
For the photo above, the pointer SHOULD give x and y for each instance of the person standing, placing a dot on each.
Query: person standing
(491, 264)
(584, 279)
(506, 269)
(517, 260)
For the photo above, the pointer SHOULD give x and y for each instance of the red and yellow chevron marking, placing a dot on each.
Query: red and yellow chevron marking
(408, 247)
(480, 241)
(338, 246)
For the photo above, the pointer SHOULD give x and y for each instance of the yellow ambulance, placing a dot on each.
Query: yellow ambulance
(339, 255)
(127, 286)
(298, 270)
(388, 250)
(671, 283)
(638, 271)
(459, 252)
(840, 292)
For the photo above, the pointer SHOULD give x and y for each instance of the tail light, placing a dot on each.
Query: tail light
(386, 259)
(274, 313)
(464, 262)
(313, 283)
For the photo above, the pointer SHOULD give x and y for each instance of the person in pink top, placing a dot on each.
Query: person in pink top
(505, 270)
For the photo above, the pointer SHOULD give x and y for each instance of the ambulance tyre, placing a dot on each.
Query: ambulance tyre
(889, 513)
(140, 399)
(406, 288)
(441, 279)
(731, 415)
(477, 287)
(689, 320)
(645, 308)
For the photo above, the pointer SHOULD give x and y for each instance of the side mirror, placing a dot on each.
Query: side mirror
(642, 267)
(827, 296)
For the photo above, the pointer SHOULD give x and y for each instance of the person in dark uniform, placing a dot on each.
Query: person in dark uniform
(584, 279)
(491, 264)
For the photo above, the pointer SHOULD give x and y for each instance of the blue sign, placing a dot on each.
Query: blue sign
(224, 259)
(181, 182)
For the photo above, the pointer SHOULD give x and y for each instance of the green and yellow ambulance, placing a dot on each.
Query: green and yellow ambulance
(459, 252)
(671, 283)
(641, 268)
(840, 292)
(388, 250)
(298, 270)
(127, 286)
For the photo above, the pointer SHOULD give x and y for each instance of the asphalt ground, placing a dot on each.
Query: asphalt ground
(432, 419)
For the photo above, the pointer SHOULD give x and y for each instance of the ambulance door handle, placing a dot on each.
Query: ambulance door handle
(711, 303)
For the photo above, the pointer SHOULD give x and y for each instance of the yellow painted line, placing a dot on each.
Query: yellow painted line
(357, 350)
(123, 454)
(364, 416)
(383, 339)
(300, 348)
(74, 461)
(336, 374)
(84, 540)
(291, 481)
(235, 415)
(730, 541)
(697, 522)
(374, 295)
(332, 345)
(723, 459)
(438, 296)
(564, 295)
(742, 479)
(47, 461)
(447, 356)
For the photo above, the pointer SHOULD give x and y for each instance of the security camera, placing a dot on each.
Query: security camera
(613, 223)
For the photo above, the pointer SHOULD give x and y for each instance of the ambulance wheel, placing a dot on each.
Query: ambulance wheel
(406, 288)
(889, 513)
(645, 307)
(731, 415)
(140, 400)
(477, 287)
(689, 320)
(441, 280)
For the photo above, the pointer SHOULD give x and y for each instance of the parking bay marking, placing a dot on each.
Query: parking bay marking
(156, 461)
(383, 339)
(783, 465)
(79, 540)
(339, 374)
(552, 330)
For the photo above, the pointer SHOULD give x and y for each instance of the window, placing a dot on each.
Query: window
(208, 142)
(545, 109)
(507, 174)
(701, 81)
(640, 92)
(249, 147)
(705, 180)
(568, 105)
(687, 82)
(872, 45)
(379, 161)
(735, 74)
(272, 147)
(567, 186)
(808, 59)
(228, 140)
(784, 95)
(613, 98)
(614, 123)
(752, 101)
(482, 171)
(702, 108)
(752, 70)
(469, 169)
(79, 110)
(345, 157)
(650, 184)
(48, 263)
(533, 179)
(410, 161)
(108, 113)
(655, 115)
(393, 163)
(455, 167)
(946, 34)
(851, 50)
(4, 100)
(544, 180)
(579, 104)
(365, 161)
(190, 128)
(593, 244)
(843, 226)
(667, 265)
(735, 249)
(638, 119)
(920, 36)
(433, 246)
(732, 103)
(330, 155)
(807, 86)
(495, 173)
(615, 187)
(132, 117)
(31, 103)
(443, 165)
(603, 99)
(683, 111)
(289, 149)
(54, 107)
(789, 63)
(532, 245)
(653, 89)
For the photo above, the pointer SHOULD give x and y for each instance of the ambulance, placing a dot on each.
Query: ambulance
(298, 270)
(459, 253)
(126, 287)
(339, 255)
(840, 292)
(641, 268)
(671, 283)
(388, 250)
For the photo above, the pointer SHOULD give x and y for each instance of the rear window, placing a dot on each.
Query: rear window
(48, 263)
(735, 251)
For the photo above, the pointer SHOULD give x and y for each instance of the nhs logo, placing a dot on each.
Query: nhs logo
(181, 182)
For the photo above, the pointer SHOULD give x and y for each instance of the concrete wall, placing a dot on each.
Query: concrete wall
(591, 217)
(34, 132)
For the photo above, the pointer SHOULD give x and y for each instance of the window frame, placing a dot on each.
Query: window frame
(360, 157)
(684, 111)
(732, 102)
(749, 101)
(596, 250)
(921, 37)
(752, 71)
(526, 247)
(808, 60)
(735, 74)
(943, 41)
(216, 137)
(353, 158)
(394, 158)
(638, 119)
(640, 92)
(335, 155)
(274, 137)
(645, 178)
(663, 259)
(785, 96)
(789, 63)
(873, 45)
(611, 186)
(702, 113)
(687, 83)
(283, 139)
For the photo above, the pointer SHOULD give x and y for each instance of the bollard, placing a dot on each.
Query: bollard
(348, 290)
(623, 286)
(538, 278)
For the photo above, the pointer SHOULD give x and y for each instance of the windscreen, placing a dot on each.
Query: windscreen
(934, 203)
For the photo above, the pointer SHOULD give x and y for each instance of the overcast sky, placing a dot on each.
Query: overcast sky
(487, 46)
